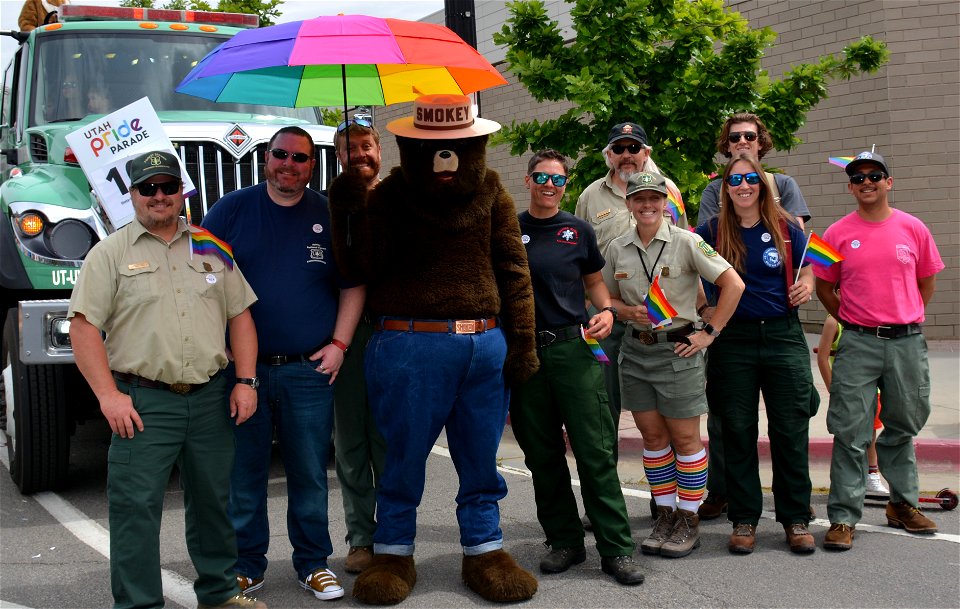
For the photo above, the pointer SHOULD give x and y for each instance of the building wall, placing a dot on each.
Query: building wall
(909, 110)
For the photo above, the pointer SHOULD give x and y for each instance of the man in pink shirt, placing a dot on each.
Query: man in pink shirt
(887, 277)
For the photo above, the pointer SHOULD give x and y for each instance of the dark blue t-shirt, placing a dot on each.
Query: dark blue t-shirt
(560, 251)
(286, 256)
(765, 295)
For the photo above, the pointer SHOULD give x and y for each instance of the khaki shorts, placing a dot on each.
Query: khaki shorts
(653, 377)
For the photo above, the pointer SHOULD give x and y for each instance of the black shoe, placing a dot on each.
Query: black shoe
(587, 525)
(623, 569)
(561, 559)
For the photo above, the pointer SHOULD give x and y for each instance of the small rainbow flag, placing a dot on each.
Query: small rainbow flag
(659, 310)
(204, 242)
(595, 347)
(840, 161)
(674, 203)
(820, 252)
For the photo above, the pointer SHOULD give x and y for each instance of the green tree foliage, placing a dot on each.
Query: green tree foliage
(267, 11)
(677, 67)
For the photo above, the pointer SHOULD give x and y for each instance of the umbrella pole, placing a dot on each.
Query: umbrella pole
(346, 142)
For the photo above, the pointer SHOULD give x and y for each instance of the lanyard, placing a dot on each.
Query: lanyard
(649, 274)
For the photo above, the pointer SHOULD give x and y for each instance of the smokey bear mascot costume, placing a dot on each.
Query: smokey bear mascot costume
(437, 244)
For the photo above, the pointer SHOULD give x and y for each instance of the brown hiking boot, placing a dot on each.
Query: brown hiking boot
(902, 515)
(662, 529)
(743, 538)
(839, 537)
(714, 505)
(685, 537)
(799, 538)
(358, 559)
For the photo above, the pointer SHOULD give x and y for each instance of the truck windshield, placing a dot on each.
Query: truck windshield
(96, 73)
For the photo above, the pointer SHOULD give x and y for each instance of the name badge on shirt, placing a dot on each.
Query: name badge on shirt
(138, 265)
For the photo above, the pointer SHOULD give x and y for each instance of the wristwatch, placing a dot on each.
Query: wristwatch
(613, 311)
(253, 382)
(711, 330)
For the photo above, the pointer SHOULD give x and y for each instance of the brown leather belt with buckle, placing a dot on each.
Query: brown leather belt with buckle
(454, 326)
(139, 381)
(673, 336)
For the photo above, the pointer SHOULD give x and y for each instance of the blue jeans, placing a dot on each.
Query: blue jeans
(419, 383)
(299, 401)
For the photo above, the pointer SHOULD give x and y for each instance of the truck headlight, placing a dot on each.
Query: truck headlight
(60, 333)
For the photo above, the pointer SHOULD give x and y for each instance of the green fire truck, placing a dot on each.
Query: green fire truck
(61, 77)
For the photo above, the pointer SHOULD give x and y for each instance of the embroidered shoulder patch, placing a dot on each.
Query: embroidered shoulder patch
(707, 250)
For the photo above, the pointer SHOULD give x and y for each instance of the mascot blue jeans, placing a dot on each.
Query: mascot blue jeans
(419, 383)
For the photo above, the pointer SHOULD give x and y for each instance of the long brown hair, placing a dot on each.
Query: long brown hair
(729, 240)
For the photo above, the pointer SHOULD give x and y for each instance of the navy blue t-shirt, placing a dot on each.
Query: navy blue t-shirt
(286, 256)
(560, 250)
(765, 295)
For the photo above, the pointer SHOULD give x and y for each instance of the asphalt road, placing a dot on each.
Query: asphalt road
(54, 547)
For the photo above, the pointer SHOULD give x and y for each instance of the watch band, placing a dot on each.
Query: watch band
(253, 382)
(613, 311)
(709, 329)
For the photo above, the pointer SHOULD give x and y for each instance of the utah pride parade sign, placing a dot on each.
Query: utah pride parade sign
(104, 146)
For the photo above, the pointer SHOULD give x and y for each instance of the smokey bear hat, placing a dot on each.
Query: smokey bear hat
(442, 117)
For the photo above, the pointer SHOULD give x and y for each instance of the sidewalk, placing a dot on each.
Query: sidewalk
(938, 443)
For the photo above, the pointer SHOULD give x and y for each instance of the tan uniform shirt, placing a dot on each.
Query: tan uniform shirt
(686, 257)
(164, 313)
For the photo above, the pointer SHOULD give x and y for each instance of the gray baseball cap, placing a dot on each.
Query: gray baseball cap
(646, 181)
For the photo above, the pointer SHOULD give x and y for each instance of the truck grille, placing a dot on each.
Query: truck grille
(216, 172)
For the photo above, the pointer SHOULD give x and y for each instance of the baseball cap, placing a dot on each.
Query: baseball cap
(630, 131)
(646, 181)
(866, 157)
(145, 166)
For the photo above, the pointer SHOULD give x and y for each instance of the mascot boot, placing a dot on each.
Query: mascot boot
(497, 577)
(387, 581)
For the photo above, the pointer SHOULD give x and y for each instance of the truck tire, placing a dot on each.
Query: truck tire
(38, 431)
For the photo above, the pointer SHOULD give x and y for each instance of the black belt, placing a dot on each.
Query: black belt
(885, 332)
(545, 338)
(139, 381)
(279, 360)
(673, 336)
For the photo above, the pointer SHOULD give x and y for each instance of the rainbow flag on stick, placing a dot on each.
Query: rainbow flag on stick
(203, 242)
(674, 203)
(819, 252)
(659, 310)
(595, 347)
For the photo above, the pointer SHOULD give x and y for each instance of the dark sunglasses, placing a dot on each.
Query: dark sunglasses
(541, 178)
(298, 157)
(633, 148)
(735, 179)
(148, 189)
(875, 176)
(362, 122)
(734, 136)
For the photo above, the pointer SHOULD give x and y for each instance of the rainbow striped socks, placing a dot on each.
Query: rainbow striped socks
(661, 469)
(691, 479)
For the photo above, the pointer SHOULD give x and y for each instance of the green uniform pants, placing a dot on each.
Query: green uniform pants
(611, 373)
(568, 392)
(359, 447)
(195, 432)
(899, 367)
(768, 356)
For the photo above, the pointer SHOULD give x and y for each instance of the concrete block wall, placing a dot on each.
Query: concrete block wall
(910, 110)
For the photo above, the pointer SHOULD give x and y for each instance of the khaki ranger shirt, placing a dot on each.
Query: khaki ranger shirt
(686, 257)
(604, 206)
(164, 314)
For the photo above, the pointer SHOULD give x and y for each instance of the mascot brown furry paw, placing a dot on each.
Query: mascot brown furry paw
(437, 244)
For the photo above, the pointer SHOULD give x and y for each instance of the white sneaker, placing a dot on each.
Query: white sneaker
(324, 584)
(875, 485)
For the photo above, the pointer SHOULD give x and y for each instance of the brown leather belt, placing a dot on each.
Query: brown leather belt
(139, 381)
(452, 326)
(673, 336)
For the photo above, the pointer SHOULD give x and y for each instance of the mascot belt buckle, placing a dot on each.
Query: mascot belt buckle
(181, 388)
(646, 338)
(466, 326)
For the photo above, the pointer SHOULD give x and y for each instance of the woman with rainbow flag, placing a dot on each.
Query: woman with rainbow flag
(762, 349)
(653, 273)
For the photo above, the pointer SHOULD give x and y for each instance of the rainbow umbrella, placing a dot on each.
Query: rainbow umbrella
(342, 59)
(840, 161)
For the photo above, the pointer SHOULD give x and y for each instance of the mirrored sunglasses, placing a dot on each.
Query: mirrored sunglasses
(361, 122)
(148, 189)
(298, 157)
(734, 136)
(633, 148)
(735, 179)
(875, 176)
(541, 178)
